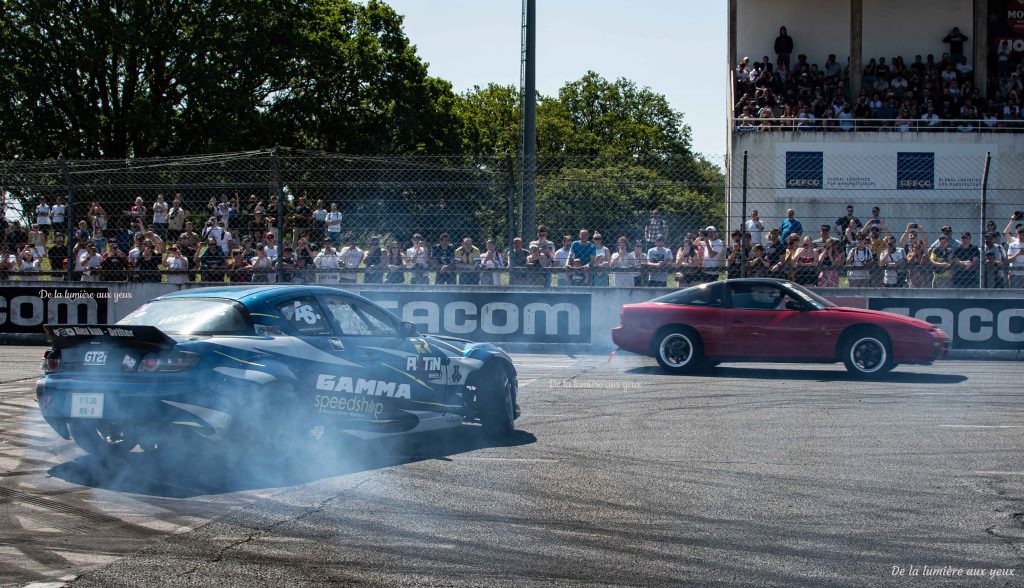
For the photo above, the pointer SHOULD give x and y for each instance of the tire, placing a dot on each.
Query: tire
(495, 401)
(107, 441)
(679, 350)
(867, 353)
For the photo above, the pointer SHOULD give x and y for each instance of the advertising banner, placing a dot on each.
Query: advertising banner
(26, 310)
(929, 172)
(804, 170)
(970, 323)
(487, 316)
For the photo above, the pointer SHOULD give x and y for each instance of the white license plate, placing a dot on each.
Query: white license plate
(86, 406)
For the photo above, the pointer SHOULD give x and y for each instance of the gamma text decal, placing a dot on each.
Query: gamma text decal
(971, 324)
(488, 316)
(26, 310)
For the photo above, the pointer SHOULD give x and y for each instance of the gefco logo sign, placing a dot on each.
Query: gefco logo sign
(805, 170)
(915, 171)
(971, 324)
(539, 318)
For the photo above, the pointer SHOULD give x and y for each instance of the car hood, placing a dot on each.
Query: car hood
(889, 315)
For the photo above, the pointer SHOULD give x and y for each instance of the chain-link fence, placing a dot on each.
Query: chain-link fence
(281, 215)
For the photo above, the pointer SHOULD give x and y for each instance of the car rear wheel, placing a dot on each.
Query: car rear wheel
(679, 350)
(495, 400)
(867, 354)
(104, 440)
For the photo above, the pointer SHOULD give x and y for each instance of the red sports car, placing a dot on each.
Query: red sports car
(771, 320)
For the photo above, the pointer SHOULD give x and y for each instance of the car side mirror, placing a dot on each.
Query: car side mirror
(408, 330)
(794, 305)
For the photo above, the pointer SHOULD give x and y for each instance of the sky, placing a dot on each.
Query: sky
(675, 47)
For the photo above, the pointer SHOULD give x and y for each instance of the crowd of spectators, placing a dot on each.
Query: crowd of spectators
(158, 243)
(927, 94)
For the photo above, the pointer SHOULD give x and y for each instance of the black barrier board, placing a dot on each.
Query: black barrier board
(970, 323)
(26, 310)
(488, 316)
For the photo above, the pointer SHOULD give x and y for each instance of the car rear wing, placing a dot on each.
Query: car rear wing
(140, 336)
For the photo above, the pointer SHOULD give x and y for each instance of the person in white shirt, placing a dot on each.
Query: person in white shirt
(319, 222)
(262, 265)
(624, 259)
(561, 260)
(755, 227)
(176, 266)
(160, 210)
(417, 258)
(713, 252)
(351, 256)
(327, 263)
(43, 216)
(334, 225)
(87, 261)
(269, 244)
(491, 261)
(57, 216)
(27, 263)
(1015, 257)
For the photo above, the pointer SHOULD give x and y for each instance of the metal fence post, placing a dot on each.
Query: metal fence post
(276, 163)
(511, 168)
(981, 234)
(69, 217)
(743, 221)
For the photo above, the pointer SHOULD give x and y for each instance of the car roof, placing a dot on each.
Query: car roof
(262, 291)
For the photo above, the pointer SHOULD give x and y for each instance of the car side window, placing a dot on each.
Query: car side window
(355, 317)
(305, 316)
(703, 295)
(758, 297)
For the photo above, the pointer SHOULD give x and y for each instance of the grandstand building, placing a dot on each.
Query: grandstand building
(876, 103)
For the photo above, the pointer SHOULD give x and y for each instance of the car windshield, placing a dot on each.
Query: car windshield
(190, 316)
(809, 297)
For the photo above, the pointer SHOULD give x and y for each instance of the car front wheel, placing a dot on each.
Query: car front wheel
(867, 354)
(495, 399)
(679, 351)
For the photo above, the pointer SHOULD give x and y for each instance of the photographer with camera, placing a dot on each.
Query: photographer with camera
(689, 261)
(861, 260)
(893, 262)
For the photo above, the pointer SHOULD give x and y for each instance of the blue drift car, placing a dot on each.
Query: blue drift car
(264, 366)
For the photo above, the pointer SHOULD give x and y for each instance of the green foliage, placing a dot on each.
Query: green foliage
(94, 78)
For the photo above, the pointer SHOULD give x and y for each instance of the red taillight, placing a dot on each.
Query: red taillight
(176, 361)
(51, 360)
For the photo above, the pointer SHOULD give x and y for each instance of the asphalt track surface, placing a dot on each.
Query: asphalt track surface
(618, 475)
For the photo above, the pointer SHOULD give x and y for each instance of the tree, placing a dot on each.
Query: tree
(122, 78)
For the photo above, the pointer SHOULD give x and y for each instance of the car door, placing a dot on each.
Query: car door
(765, 320)
(407, 376)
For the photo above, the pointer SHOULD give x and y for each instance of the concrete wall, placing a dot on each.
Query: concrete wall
(821, 27)
(817, 27)
(886, 26)
(861, 168)
(993, 314)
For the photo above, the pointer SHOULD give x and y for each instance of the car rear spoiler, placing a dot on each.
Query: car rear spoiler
(143, 336)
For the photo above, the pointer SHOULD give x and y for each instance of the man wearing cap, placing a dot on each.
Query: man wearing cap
(790, 225)
(942, 262)
(965, 268)
(714, 253)
(946, 231)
